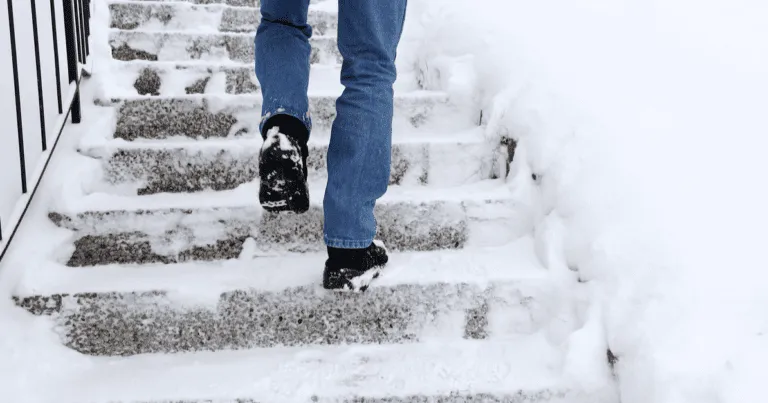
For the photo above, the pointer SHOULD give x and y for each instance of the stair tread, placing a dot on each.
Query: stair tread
(328, 5)
(174, 32)
(516, 367)
(247, 98)
(185, 16)
(467, 136)
(314, 5)
(165, 79)
(240, 102)
(270, 302)
(246, 196)
(225, 115)
(169, 78)
(171, 228)
(189, 45)
(437, 160)
(512, 262)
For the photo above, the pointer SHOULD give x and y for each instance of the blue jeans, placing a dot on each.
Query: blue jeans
(359, 156)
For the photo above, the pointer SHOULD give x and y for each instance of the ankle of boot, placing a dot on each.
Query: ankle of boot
(289, 125)
(344, 257)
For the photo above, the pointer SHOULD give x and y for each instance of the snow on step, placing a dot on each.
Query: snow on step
(191, 166)
(199, 77)
(177, 46)
(203, 18)
(170, 228)
(517, 370)
(234, 3)
(264, 302)
(206, 116)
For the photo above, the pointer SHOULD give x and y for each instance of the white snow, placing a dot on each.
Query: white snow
(298, 374)
(644, 123)
(479, 267)
(188, 17)
(245, 196)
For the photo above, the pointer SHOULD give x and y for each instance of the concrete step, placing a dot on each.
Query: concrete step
(192, 166)
(167, 79)
(221, 47)
(180, 16)
(171, 227)
(258, 302)
(517, 370)
(445, 395)
(234, 3)
(217, 116)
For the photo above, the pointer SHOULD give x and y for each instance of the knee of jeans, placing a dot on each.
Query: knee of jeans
(294, 22)
(369, 72)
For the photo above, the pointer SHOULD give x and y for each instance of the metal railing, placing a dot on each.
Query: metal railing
(63, 21)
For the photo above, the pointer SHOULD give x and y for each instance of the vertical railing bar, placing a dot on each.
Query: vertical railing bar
(56, 55)
(84, 43)
(78, 34)
(40, 97)
(82, 28)
(86, 22)
(71, 39)
(19, 124)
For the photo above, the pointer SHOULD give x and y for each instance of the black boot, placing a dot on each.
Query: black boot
(283, 165)
(354, 269)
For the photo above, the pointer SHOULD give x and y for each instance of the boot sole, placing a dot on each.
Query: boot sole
(355, 284)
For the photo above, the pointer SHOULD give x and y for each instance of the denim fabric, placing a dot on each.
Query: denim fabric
(359, 156)
(282, 59)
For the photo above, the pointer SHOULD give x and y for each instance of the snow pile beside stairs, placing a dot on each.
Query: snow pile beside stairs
(644, 125)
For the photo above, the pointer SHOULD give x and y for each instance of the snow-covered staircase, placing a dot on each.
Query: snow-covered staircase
(184, 289)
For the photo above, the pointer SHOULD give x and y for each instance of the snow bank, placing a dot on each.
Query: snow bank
(645, 124)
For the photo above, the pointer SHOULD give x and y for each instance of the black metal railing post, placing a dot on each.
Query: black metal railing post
(71, 39)
(19, 123)
(40, 98)
(80, 32)
(88, 20)
(84, 21)
(76, 20)
(57, 68)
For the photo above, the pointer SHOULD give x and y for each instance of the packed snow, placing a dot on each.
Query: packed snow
(643, 123)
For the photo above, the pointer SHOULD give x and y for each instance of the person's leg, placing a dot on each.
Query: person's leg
(282, 60)
(282, 68)
(359, 155)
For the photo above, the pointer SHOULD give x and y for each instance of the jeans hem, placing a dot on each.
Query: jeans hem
(303, 117)
(347, 244)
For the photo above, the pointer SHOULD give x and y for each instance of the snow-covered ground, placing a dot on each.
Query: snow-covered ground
(644, 123)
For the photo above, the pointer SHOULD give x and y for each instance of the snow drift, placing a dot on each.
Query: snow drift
(644, 123)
